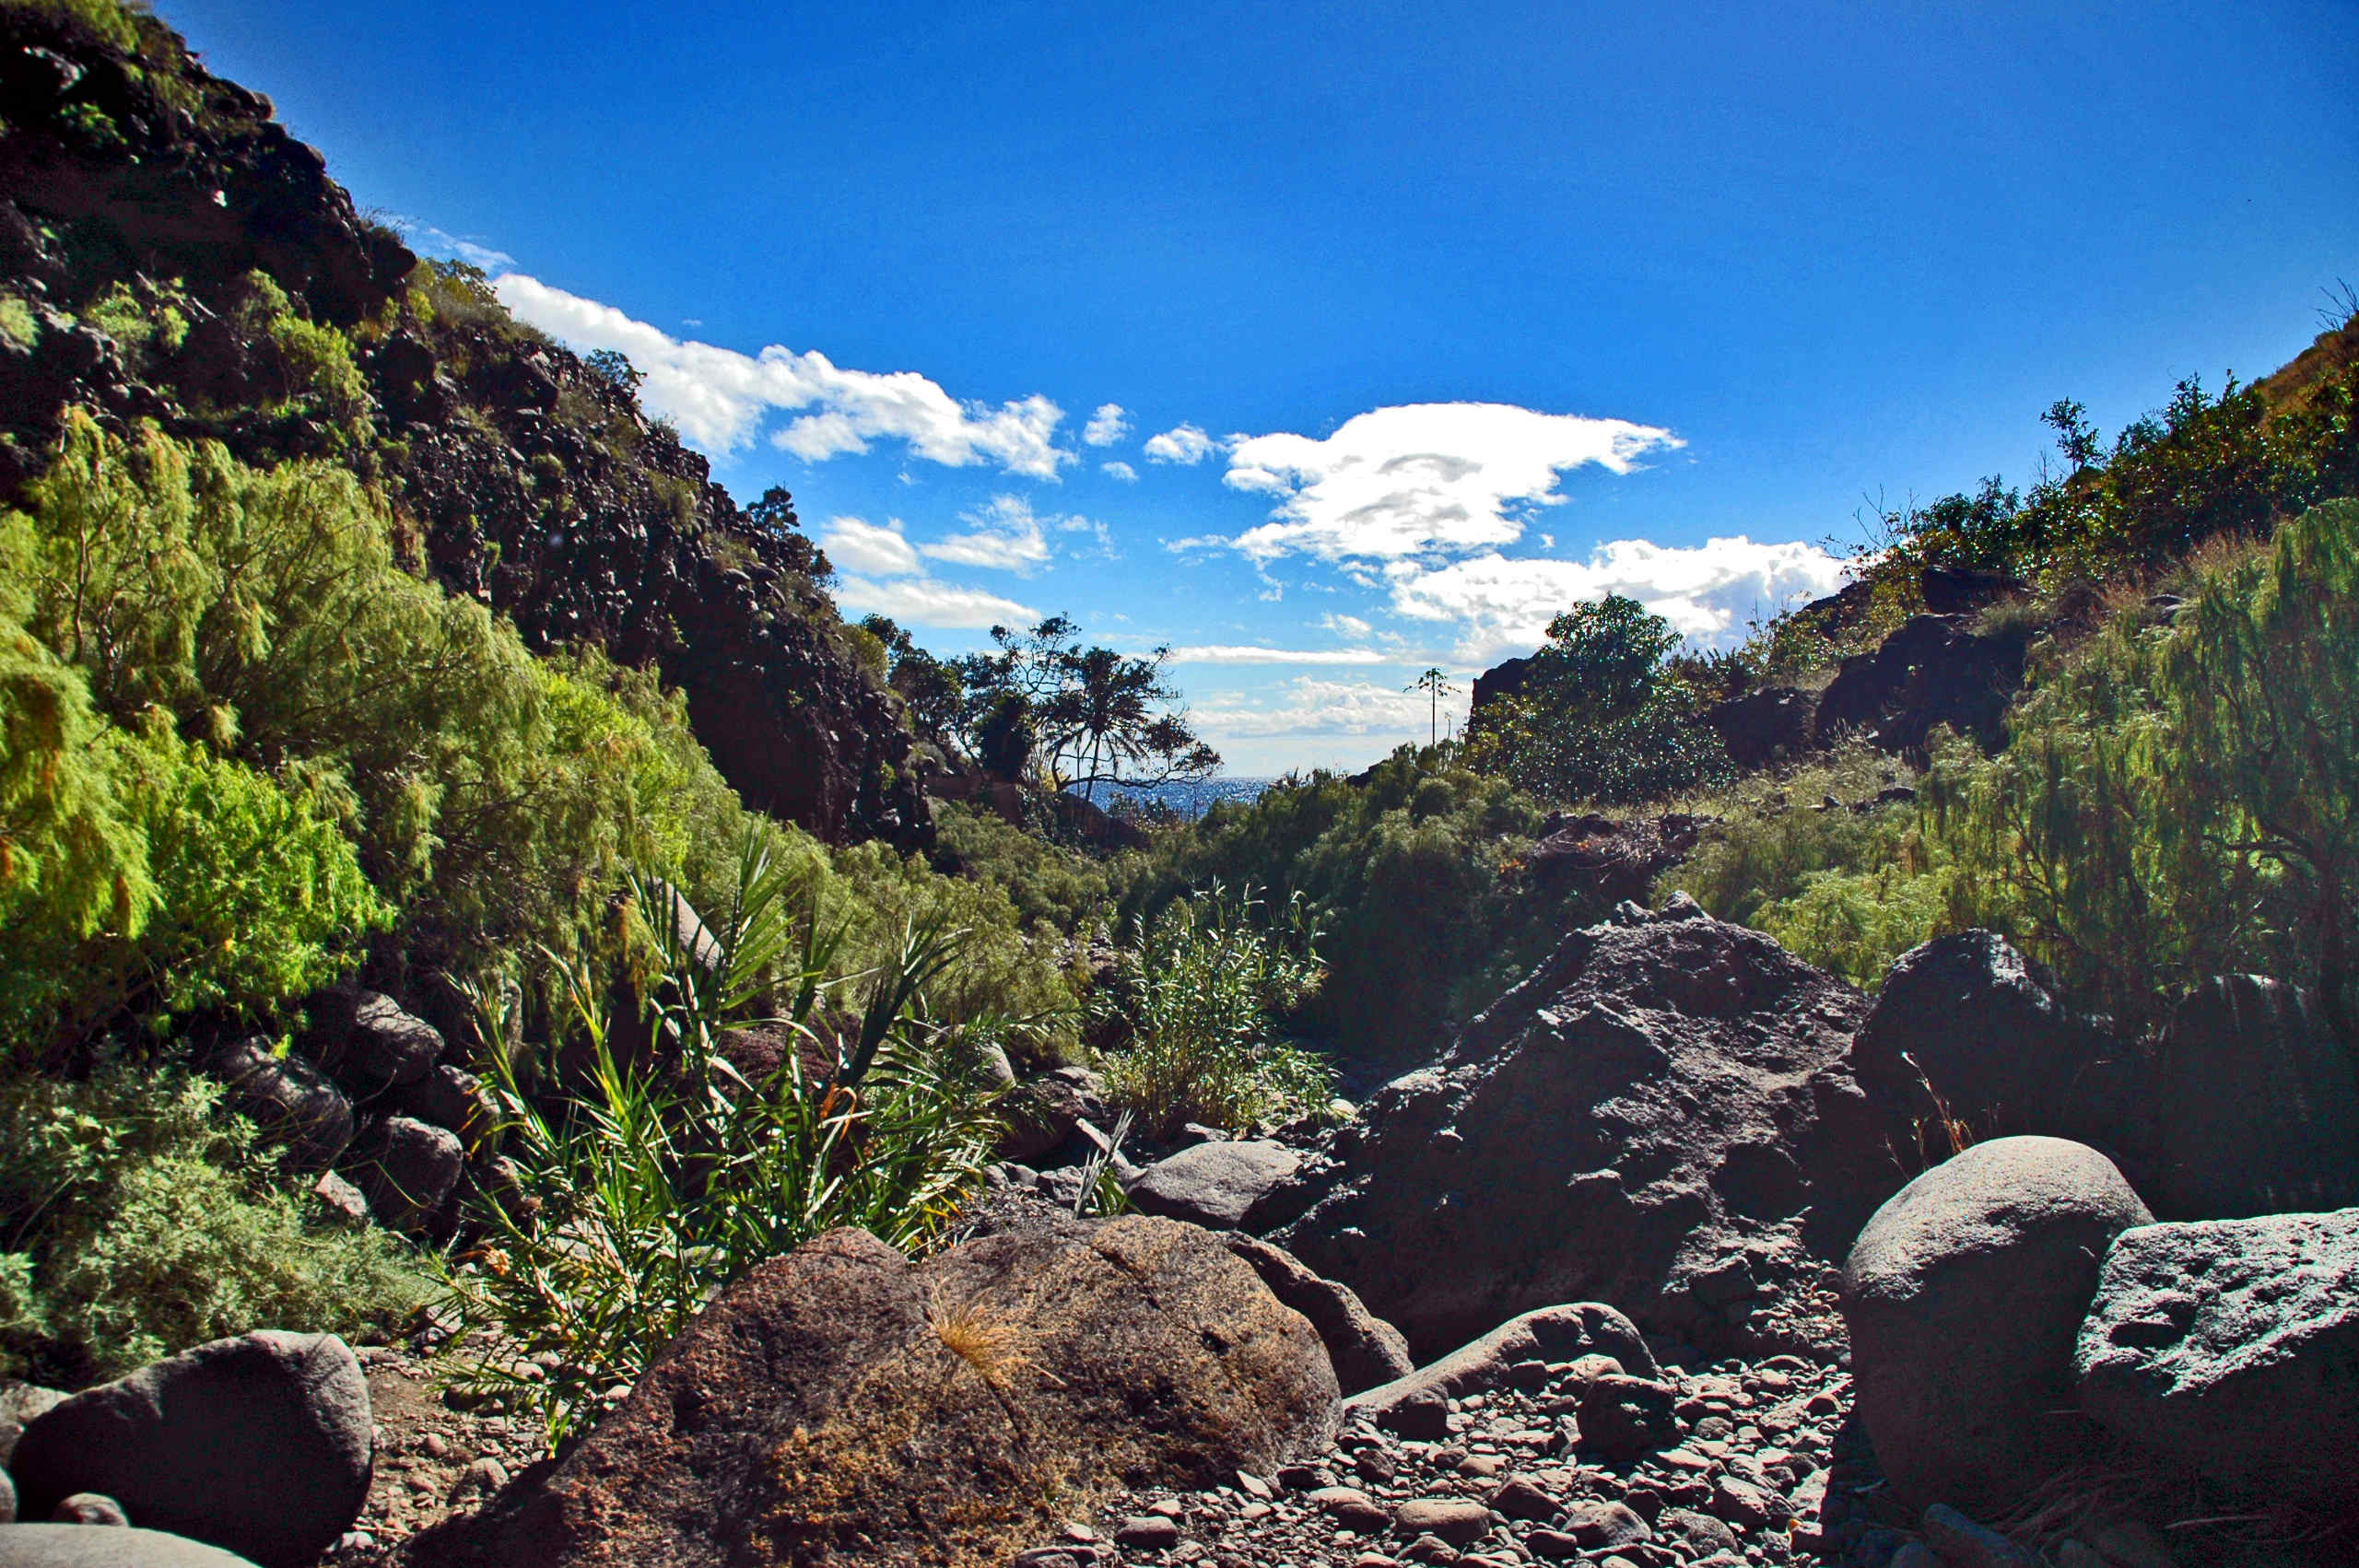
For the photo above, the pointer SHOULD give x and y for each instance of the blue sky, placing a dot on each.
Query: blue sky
(1323, 342)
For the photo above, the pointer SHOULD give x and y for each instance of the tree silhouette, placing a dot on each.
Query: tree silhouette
(1437, 685)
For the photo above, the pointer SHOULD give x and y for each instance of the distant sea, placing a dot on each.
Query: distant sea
(1190, 798)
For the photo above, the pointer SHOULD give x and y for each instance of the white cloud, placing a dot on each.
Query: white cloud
(1110, 423)
(426, 239)
(1706, 591)
(719, 397)
(853, 544)
(922, 602)
(1313, 705)
(1184, 444)
(1005, 536)
(1346, 626)
(1421, 478)
(1121, 470)
(1239, 653)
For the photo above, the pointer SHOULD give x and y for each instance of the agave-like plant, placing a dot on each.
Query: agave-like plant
(635, 1198)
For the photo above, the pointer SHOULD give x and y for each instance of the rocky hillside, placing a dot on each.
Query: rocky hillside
(169, 252)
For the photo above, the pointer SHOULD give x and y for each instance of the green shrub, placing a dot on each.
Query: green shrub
(137, 1218)
(2181, 799)
(1412, 875)
(1197, 999)
(1047, 883)
(1602, 716)
(637, 1200)
(1767, 836)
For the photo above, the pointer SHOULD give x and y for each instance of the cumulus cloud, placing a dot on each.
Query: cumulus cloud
(1121, 470)
(1005, 535)
(1422, 478)
(1703, 591)
(922, 602)
(1314, 706)
(856, 546)
(1184, 444)
(1347, 625)
(1107, 425)
(720, 398)
(1242, 653)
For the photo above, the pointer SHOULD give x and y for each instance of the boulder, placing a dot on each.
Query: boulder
(1660, 1088)
(452, 1099)
(1213, 1184)
(19, 1403)
(259, 1444)
(2231, 1347)
(1552, 1334)
(407, 1169)
(365, 1041)
(1964, 1296)
(1461, 1521)
(1965, 1028)
(291, 1101)
(1762, 726)
(1041, 1113)
(1934, 669)
(90, 1508)
(1623, 1416)
(840, 1404)
(1955, 590)
(1365, 1348)
(78, 1546)
(2258, 1113)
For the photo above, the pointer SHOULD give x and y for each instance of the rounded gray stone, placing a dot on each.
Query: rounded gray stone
(1964, 1295)
(78, 1546)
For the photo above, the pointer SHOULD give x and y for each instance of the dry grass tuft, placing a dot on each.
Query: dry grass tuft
(993, 1346)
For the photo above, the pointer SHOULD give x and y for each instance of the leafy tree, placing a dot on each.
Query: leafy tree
(613, 367)
(1094, 715)
(1601, 715)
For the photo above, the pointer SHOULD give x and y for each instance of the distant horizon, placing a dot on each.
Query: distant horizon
(1323, 345)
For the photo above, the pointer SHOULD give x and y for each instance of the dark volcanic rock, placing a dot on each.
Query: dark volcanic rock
(842, 1405)
(1365, 1348)
(1964, 1296)
(366, 1042)
(540, 488)
(1964, 1029)
(406, 1168)
(2232, 1347)
(1661, 1085)
(289, 1099)
(1552, 1334)
(1761, 725)
(1041, 1113)
(1934, 669)
(1213, 1184)
(2257, 1106)
(259, 1444)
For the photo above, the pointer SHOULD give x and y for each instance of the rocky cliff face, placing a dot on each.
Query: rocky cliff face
(169, 252)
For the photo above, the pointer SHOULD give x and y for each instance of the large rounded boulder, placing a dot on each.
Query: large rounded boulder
(841, 1404)
(1964, 1296)
(260, 1445)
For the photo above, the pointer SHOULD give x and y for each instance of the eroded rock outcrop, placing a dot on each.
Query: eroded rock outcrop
(1664, 1088)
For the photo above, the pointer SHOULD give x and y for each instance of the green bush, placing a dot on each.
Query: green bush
(1197, 998)
(1602, 715)
(2181, 798)
(1411, 873)
(137, 1218)
(638, 1199)
(1071, 891)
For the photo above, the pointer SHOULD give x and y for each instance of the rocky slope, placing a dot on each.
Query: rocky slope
(169, 252)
